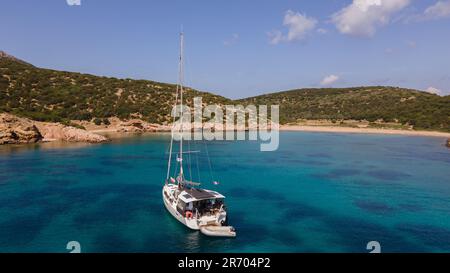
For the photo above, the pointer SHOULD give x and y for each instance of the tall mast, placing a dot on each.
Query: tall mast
(181, 102)
(180, 88)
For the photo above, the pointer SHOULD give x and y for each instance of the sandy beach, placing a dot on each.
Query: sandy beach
(338, 129)
(324, 129)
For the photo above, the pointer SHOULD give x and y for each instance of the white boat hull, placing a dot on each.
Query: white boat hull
(194, 222)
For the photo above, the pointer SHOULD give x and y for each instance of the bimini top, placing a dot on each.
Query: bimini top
(193, 194)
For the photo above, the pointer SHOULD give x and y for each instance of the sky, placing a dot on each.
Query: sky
(238, 48)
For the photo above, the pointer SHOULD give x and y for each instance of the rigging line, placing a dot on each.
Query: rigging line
(209, 163)
(198, 169)
(184, 80)
(175, 171)
(181, 79)
(171, 138)
(179, 89)
(188, 76)
(189, 161)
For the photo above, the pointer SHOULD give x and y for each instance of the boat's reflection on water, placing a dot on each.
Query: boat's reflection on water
(192, 241)
(195, 241)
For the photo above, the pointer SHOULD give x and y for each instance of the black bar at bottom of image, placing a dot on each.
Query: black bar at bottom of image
(223, 262)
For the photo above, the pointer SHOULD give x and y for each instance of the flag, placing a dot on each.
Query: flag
(172, 180)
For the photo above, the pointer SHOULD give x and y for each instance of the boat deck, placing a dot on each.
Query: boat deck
(199, 194)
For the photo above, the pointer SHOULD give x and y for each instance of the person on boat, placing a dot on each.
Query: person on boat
(189, 208)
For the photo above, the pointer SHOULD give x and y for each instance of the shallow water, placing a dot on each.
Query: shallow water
(320, 192)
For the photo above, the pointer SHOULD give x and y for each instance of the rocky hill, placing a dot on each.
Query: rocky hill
(384, 104)
(59, 96)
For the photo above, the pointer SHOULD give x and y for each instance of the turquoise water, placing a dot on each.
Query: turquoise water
(320, 192)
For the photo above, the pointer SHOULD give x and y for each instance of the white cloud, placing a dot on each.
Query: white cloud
(328, 80)
(434, 90)
(73, 2)
(439, 10)
(363, 17)
(233, 40)
(275, 37)
(298, 26)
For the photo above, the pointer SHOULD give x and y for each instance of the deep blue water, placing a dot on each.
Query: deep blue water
(320, 192)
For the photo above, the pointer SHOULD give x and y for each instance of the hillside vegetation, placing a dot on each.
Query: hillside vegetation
(49, 95)
(376, 103)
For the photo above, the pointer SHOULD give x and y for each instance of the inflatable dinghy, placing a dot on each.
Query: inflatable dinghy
(218, 231)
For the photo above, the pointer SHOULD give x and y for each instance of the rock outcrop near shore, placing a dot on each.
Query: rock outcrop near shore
(55, 131)
(140, 126)
(15, 130)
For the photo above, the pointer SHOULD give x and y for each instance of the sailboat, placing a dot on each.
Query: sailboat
(196, 208)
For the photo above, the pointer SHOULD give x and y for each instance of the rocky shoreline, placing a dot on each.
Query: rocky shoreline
(19, 130)
(129, 126)
(15, 130)
(56, 131)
